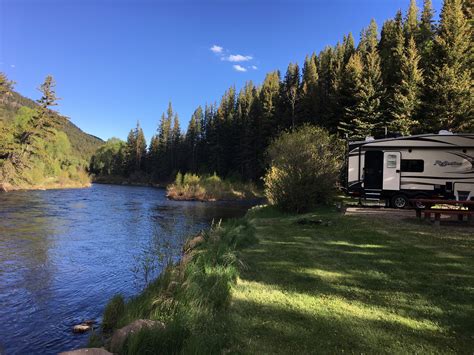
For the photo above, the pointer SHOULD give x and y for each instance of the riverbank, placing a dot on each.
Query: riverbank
(120, 180)
(321, 282)
(47, 186)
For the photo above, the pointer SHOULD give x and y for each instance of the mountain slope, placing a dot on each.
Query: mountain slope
(83, 144)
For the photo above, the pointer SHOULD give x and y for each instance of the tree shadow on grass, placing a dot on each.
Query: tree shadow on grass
(272, 329)
(410, 270)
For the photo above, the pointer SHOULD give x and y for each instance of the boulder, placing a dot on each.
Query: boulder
(81, 328)
(120, 335)
(87, 351)
(84, 326)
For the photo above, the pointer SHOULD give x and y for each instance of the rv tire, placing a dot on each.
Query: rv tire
(399, 201)
(419, 205)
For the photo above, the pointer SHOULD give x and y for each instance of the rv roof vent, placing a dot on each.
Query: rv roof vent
(369, 139)
(443, 131)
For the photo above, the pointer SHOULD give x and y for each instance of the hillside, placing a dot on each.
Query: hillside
(83, 145)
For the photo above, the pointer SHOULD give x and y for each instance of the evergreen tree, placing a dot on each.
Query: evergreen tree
(135, 150)
(407, 98)
(369, 38)
(350, 88)
(411, 25)
(325, 84)
(426, 36)
(163, 168)
(309, 88)
(449, 101)
(176, 144)
(426, 25)
(391, 46)
(192, 139)
(368, 111)
(130, 146)
(152, 154)
(140, 148)
(290, 87)
(6, 85)
(41, 125)
(349, 48)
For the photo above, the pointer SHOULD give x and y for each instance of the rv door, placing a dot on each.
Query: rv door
(391, 170)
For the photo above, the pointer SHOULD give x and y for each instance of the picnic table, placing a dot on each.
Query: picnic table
(428, 209)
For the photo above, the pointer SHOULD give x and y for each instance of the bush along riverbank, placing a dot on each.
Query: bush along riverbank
(186, 309)
(191, 187)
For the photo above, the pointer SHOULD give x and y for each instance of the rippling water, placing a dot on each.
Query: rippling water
(65, 253)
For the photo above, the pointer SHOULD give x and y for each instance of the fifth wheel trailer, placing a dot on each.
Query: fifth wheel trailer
(435, 166)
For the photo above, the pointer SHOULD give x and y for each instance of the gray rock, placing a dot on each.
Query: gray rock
(81, 328)
(84, 326)
(120, 335)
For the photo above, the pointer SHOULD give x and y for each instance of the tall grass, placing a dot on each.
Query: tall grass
(191, 298)
(210, 187)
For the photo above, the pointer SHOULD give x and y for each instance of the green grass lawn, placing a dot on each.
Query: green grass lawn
(358, 285)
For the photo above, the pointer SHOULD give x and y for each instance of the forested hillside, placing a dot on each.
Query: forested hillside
(413, 76)
(83, 145)
(38, 146)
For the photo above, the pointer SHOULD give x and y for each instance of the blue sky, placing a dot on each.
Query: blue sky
(116, 62)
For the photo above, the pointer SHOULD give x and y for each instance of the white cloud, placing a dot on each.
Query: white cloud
(216, 49)
(233, 58)
(12, 65)
(237, 58)
(239, 68)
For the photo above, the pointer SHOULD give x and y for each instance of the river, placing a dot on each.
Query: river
(65, 253)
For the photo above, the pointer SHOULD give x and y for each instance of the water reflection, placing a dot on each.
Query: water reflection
(65, 253)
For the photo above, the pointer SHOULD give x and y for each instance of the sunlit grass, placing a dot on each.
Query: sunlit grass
(359, 285)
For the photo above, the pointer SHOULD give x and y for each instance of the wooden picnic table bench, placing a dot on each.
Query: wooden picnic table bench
(428, 211)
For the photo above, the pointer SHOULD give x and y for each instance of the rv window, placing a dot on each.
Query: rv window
(413, 165)
(391, 161)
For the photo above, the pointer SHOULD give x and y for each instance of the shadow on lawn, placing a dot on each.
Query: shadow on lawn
(409, 269)
(285, 331)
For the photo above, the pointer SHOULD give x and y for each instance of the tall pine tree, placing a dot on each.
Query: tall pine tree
(407, 96)
(449, 101)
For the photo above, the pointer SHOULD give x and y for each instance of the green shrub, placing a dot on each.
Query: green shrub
(178, 181)
(113, 312)
(304, 169)
(190, 179)
(209, 187)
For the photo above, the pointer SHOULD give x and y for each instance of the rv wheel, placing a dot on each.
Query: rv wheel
(421, 205)
(399, 201)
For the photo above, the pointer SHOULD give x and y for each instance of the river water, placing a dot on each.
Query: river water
(65, 253)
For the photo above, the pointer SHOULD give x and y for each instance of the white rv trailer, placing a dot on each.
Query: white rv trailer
(423, 166)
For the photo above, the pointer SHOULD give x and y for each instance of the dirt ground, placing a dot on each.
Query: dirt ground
(380, 212)
(396, 214)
